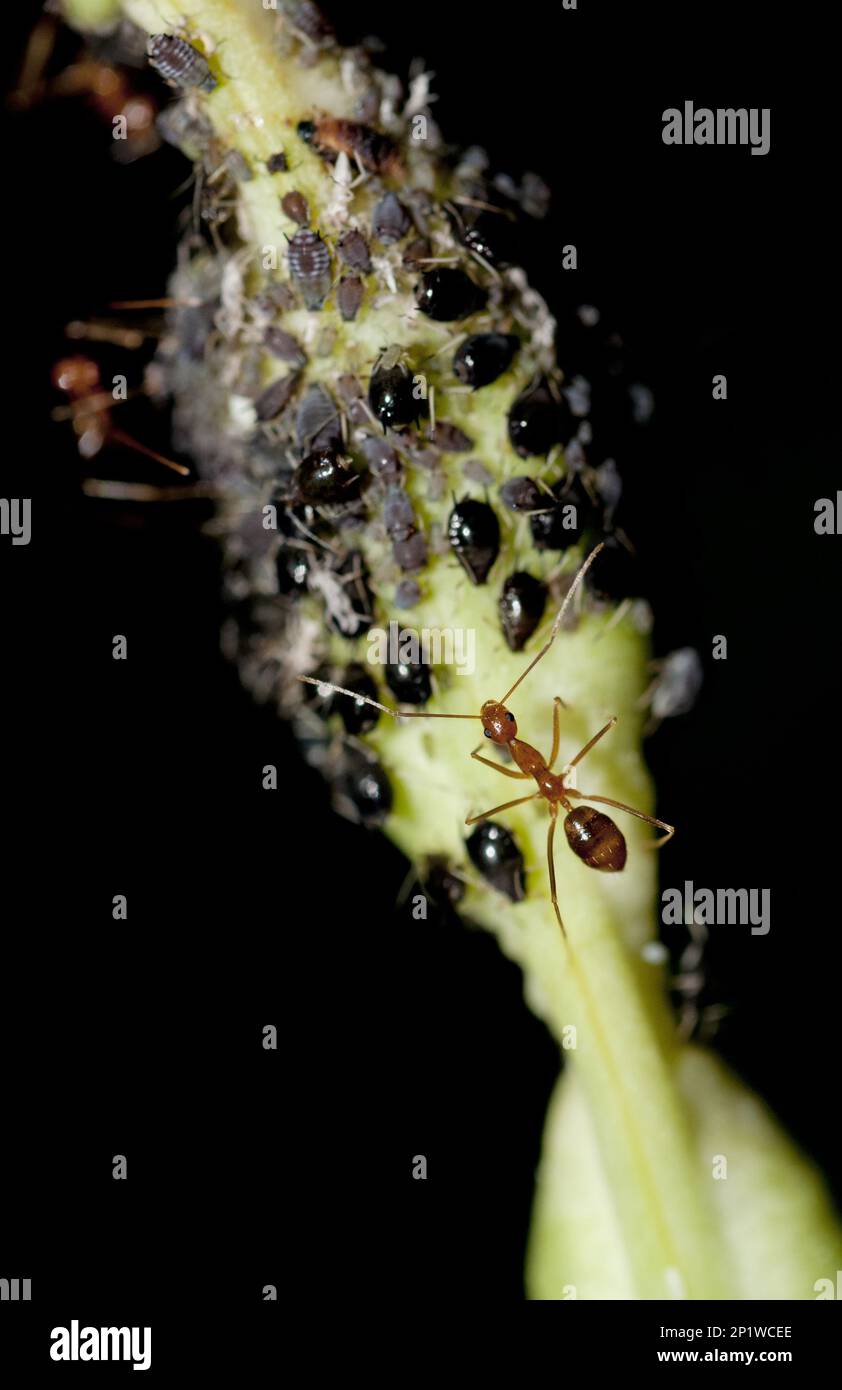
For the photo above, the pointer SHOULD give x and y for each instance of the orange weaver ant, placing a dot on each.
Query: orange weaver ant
(90, 410)
(591, 834)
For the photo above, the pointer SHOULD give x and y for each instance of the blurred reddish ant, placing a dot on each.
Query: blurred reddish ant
(591, 834)
(131, 114)
(89, 409)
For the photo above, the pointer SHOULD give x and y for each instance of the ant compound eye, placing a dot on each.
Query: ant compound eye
(510, 717)
(488, 733)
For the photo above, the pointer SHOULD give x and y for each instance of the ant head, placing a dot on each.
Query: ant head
(498, 722)
(76, 376)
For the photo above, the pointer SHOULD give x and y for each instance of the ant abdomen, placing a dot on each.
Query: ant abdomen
(595, 838)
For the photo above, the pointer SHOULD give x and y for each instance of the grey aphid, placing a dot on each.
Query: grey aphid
(284, 346)
(317, 423)
(309, 266)
(450, 439)
(407, 594)
(238, 167)
(353, 251)
(349, 296)
(678, 683)
(390, 220)
(184, 125)
(643, 403)
(398, 514)
(276, 397)
(179, 62)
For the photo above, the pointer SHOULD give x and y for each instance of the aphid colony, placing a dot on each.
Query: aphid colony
(367, 477)
(591, 834)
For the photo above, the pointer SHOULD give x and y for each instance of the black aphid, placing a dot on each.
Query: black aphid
(474, 534)
(277, 163)
(361, 790)
(493, 850)
(441, 884)
(316, 696)
(614, 573)
(309, 266)
(521, 606)
(483, 357)
(392, 393)
(358, 717)
(409, 681)
(447, 293)
(324, 478)
(179, 62)
(537, 422)
(562, 519)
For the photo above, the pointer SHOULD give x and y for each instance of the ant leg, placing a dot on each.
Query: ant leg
(641, 815)
(558, 703)
(144, 492)
(395, 713)
(506, 771)
(554, 631)
(551, 864)
(518, 801)
(589, 745)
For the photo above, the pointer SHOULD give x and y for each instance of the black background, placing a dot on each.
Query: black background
(143, 777)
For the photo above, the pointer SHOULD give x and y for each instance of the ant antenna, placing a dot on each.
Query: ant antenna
(559, 620)
(120, 437)
(395, 713)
